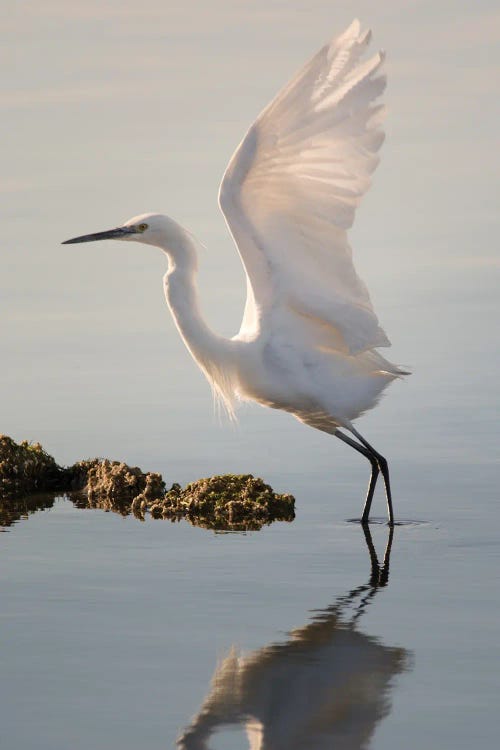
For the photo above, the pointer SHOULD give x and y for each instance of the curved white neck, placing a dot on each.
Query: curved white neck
(182, 298)
(212, 353)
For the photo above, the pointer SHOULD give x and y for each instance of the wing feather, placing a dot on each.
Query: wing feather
(290, 193)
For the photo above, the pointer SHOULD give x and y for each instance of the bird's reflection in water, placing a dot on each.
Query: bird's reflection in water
(327, 686)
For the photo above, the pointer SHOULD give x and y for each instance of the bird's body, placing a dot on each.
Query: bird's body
(309, 336)
(321, 386)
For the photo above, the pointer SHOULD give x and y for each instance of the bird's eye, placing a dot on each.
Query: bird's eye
(142, 227)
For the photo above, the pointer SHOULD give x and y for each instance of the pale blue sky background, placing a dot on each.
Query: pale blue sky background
(115, 108)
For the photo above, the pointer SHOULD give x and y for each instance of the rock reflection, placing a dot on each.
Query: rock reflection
(229, 502)
(327, 686)
(15, 509)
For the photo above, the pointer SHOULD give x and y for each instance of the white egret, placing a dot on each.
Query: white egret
(309, 336)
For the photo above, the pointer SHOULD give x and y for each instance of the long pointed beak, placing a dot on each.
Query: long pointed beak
(111, 234)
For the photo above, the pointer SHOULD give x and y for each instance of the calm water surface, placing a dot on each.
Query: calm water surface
(121, 634)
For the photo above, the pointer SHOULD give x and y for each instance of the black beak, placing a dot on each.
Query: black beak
(111, 234)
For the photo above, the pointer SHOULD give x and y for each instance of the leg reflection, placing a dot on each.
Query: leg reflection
(328, 684)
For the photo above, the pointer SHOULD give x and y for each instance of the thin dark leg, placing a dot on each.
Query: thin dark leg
(384, 468)
(373, 478)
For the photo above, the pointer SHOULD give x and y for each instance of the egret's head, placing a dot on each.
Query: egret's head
(152, 229)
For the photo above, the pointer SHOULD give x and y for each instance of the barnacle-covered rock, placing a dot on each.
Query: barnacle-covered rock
(25, 467)
(225, 502)
(228, 501)
(114, 485)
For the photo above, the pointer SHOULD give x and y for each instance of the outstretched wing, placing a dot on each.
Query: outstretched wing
(290, 193)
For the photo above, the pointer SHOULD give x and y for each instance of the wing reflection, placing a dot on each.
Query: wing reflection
(327, 686)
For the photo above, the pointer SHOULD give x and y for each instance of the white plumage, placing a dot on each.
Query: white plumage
(309, 336)
(291, 190)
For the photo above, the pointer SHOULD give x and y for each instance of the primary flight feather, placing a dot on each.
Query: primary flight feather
(309, 336)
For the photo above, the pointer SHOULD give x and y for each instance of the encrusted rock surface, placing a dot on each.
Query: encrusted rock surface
(25, 467)
(227, 502)
(113, 485)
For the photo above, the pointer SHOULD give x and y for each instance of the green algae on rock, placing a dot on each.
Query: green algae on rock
(232, 502)
(25, 467)
(229, 501)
